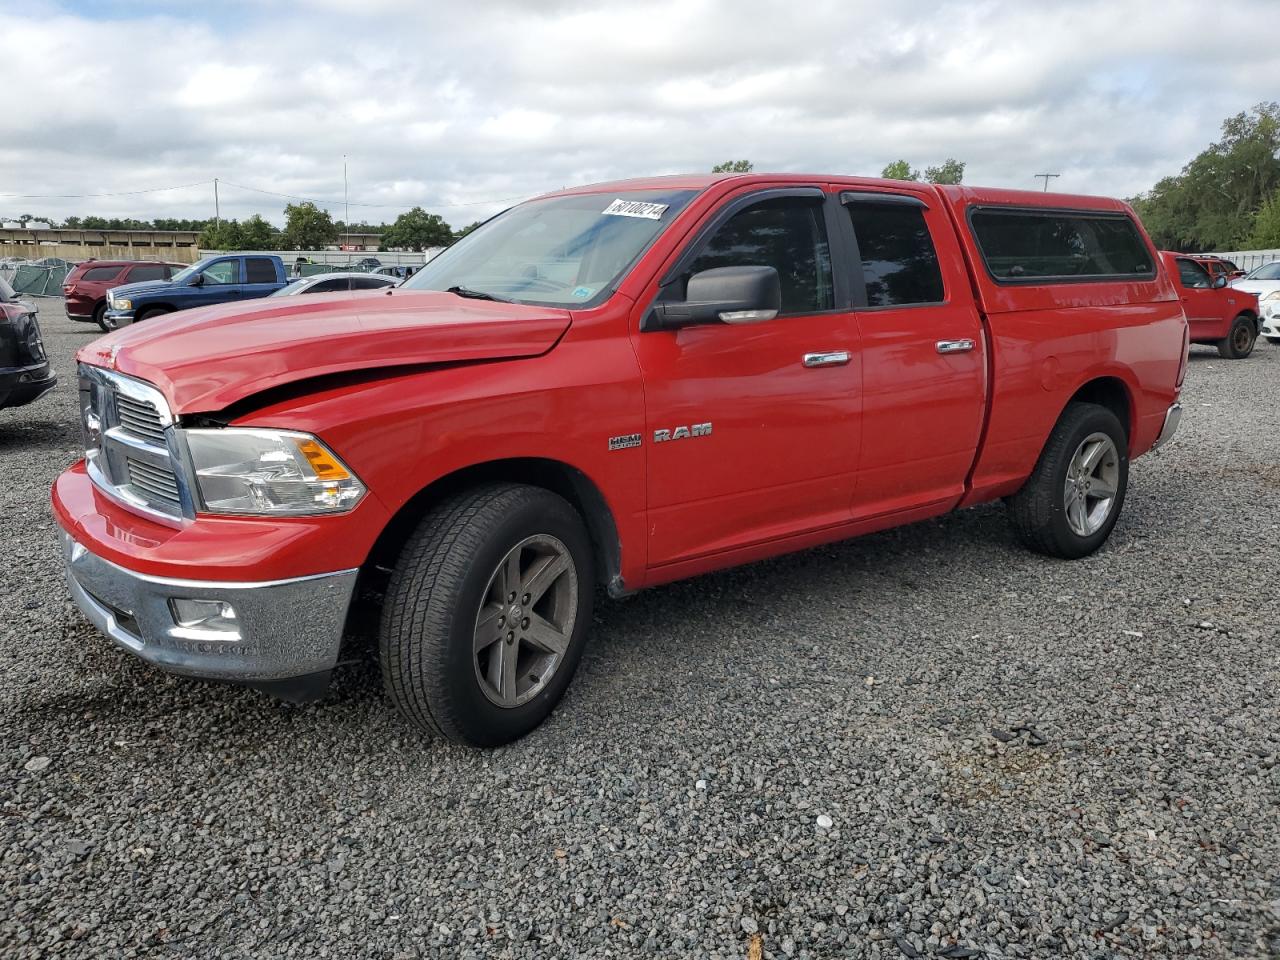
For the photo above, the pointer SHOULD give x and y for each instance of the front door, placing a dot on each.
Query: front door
(752, 429)
(924, 361)
(218, 281)
(1203, 305)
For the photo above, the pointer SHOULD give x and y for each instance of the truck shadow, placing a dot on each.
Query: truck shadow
(45, 434)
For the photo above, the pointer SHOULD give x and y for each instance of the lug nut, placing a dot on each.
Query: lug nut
(526, 599)
(525, 623)
(510, 636)
(502, 621)
(511, 597)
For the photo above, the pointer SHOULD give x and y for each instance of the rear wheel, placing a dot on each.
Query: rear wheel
(1239, 341)
(1071, 502)
(99, 313)
(487, 613)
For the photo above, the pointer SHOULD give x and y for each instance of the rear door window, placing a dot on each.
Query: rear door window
(788, 234)
(899, 261)
(1037, 246)
(328, 286)
(368, 283)
(101, 273)
(260, 270)
(147, 271)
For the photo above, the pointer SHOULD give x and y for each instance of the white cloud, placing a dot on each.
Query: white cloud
(467, 105)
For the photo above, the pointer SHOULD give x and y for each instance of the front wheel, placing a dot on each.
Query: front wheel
(487, 613)
(1239, 341)
(1071, 502)
(99, 317)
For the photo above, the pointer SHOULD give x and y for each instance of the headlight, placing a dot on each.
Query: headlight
(275, 472)
(1273, 295)
(121, 304)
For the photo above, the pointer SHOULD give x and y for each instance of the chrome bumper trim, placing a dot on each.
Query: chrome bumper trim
(1172, 417)
(286, 628)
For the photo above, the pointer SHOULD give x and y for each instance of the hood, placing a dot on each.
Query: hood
(1256, 287)
(206, 359)
(139, 289)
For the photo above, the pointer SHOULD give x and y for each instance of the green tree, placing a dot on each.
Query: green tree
(1266, 226)
(950, 171)
(734, 166)
(417, 230)
(899, 170)
(459, 234)
(307, 227)
(223, 235)
(257, 234)
(1212, 203)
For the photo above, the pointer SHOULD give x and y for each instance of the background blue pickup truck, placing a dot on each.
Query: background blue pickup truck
(221, 279)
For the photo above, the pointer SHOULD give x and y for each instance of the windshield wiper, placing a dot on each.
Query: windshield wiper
(474, 294)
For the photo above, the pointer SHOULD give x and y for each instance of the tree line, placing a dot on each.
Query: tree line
(307, 227)
(1228, 196)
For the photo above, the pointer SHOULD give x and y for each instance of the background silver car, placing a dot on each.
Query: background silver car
(335, 283)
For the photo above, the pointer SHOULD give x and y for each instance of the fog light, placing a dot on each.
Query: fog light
(204, 619)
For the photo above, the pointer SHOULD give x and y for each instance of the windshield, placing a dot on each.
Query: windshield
(563, 251)
(182, 276)
(1268, 271)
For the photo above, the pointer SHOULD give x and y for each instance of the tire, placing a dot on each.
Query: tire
(152, 313)
(442, 606)
(99, 317)
(1239, 341)
(1046, 513)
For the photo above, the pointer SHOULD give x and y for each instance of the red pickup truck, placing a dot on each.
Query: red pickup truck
(616, 385)
(1217, 314)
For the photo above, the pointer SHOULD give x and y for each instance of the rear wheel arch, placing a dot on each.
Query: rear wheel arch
(560, 478)
(1110, 392)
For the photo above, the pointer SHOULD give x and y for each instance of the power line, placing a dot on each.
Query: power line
(94, 196)
(354, 203)
(1047, 177)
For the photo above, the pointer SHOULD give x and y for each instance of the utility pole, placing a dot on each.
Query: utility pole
(1046, 177)
(217, 212)
(346, 203)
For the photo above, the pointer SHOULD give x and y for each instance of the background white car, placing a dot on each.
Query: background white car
(1264, 281)
(335, 282)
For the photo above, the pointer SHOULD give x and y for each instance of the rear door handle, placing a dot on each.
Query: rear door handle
(955, 346)
(831, 358)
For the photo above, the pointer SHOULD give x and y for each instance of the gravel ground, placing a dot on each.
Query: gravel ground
(928, 742)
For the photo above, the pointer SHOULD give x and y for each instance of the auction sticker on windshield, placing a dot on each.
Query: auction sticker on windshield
(636, 208)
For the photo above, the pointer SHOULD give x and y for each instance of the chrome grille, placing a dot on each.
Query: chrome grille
(127, 444)
(158, 482)
(139, 418)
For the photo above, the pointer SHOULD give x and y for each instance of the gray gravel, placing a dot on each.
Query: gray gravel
(924, 743)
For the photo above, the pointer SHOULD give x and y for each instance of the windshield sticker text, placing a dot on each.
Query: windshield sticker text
(635, 208)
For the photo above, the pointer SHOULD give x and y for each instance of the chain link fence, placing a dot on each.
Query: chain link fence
(36, 278)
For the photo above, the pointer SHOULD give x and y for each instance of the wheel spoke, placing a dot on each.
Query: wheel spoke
(543, 574)
(546, 636)
(487, 626)
(511, 575)
(1101, 489)
(1079, 516)
(508, 655)
(1091, 457)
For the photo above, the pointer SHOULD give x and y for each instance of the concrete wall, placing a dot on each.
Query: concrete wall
(75, 253)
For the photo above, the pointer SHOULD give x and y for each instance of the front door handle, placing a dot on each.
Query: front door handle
(955, 346)
(831, 358)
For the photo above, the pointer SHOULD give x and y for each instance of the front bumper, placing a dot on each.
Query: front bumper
(23, 385)
(282, 630)
(119, 316)
(1172, 417)
(1270, 320)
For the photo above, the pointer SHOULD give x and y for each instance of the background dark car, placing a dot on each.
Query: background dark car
(85, 289)
(335, 283)
(25, 373)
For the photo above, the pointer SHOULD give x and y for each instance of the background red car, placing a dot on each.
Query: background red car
(1216, 314)
(85, 289)
(1218, 267)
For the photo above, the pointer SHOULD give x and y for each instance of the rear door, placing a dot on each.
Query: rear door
(752, 429)
(923, 352)
(261, 278)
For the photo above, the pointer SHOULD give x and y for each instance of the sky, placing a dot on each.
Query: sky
(466, 107)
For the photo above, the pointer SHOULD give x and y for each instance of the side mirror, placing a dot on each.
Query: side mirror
(197, 280)
(1219, 282)
(723, 295)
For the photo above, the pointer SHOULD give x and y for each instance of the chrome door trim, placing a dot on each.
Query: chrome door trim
(955, 346)
(829, 358)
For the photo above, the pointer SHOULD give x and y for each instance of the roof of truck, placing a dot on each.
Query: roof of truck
(961, 195)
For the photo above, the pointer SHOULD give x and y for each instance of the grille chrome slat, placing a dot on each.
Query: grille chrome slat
(130, 459)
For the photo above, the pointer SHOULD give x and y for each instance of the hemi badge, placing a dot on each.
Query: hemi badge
(624, 442)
